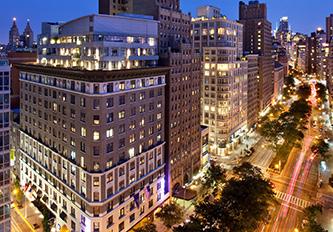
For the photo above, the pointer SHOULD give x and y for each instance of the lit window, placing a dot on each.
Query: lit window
(96, 119)
(109, 133)
(132, 138)
(131, 152)
(96, 135)
(83, 132)
(122, 86)
(73, 155)
(121, 114)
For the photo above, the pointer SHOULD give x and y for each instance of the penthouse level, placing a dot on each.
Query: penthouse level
(101, 42)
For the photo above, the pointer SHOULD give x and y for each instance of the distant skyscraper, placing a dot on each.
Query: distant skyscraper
(284, 24)
(14, 36)
(258, 40)
(329, 27)
(28, 36)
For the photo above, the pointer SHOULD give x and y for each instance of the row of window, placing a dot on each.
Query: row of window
(85, 87)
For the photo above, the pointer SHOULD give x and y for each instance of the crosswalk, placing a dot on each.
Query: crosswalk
(292, 199)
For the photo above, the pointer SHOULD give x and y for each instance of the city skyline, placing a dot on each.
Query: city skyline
(299, 20)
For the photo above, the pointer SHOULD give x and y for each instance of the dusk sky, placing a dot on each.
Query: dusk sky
(304, 15)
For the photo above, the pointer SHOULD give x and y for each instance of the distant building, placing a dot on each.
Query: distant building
(113, 7)
(19, 42)
(283, 33)
(27, 36)
(14, 36)
(257, 39)
(49, 30)
(329, 75)
(208, 12)
(284, 24)
(318, 53)
(329, 28)
(18, 58)
(312, 53)
(278, 81)
(5, 187)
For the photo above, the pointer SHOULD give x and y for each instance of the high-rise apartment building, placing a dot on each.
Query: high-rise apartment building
(5, 188)
(329, 74)
(258, 40)
(183, 150)
(92, 141)
(278, 81)
(224, 79)
(283, 33)
(312, 53)
(329, 28)
(252, 90)
(318, 52)
(329, 77)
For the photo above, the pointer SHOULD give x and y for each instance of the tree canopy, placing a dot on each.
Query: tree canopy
(171, 214)
(243, 205)
(147, 227)
(310, 215)
(321, 147)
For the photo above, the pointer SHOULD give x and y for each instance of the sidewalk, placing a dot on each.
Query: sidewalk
(233, 158)
(30, 215)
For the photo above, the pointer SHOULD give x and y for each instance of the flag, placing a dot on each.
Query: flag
(136, 200)
(147, 192)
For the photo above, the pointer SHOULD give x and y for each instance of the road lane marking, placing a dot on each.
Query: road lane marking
(287, 198)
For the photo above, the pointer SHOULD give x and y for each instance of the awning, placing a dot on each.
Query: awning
(184, 194)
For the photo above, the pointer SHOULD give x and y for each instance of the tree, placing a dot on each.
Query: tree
(194, 225)
(213, 180)
(321, 91)
(171, 214)
(244, 204)
(321, 147)
(310, 215)
(147, 227)
(304, 91)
